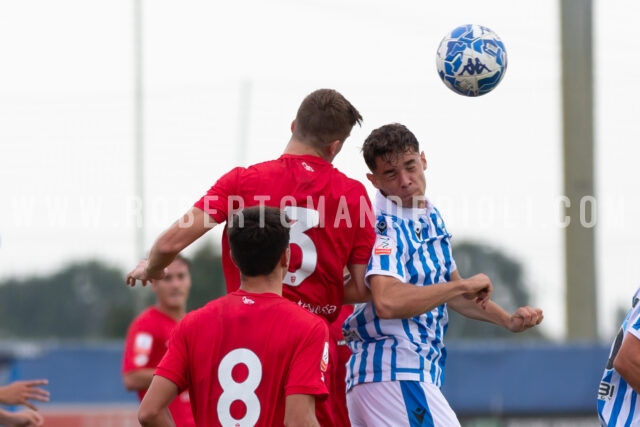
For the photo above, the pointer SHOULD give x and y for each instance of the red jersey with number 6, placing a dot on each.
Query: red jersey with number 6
(332, 223)
(240, 356)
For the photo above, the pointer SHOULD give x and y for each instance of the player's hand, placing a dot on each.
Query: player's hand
(525, 318)
(21, 392)
(142, 273)
(479, 289)
(26, 418)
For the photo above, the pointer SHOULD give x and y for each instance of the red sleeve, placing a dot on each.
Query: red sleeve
(309, 362)
(365, 235)
(138, 347)
(222, 197)
(174, 364)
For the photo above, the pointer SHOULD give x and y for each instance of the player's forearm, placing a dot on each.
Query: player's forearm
(140, 379)
(493, 313)
(355, 291)
(404, 301)
(176, 238)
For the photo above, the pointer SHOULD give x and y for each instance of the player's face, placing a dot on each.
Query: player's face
(403, 177)
(172, 291)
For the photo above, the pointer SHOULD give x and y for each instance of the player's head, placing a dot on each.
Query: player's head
(324, 121)
(172, 291)
(397, 166)
(259, 240)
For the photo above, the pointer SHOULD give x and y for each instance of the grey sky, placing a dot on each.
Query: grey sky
(66, 114)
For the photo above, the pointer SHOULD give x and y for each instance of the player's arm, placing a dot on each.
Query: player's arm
(355, 291)
(27, 418)
(138, 379)
(300, 411)
(394, 299)
(171, 242)
(627, 361)
(154, 408)
(523, 318)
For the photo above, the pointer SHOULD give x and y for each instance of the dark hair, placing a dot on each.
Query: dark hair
(388, 142)
(325, 116)
(257, 237)
(184, 260)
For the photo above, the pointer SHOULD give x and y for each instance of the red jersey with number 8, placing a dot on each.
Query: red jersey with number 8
(331, 223)
(240, 356)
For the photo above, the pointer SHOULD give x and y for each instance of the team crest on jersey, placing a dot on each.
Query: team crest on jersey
(325, 358)
(383, 246)
(381, 226)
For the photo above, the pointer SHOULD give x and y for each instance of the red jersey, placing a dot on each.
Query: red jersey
(332, 223)
(241, 355)
(145, 345)
(343, 353)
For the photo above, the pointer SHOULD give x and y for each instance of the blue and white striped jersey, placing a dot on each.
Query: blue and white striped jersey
(618, 403)
(413, 246)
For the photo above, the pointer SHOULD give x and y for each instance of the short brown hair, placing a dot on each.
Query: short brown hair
(388, 142)
(325, 116)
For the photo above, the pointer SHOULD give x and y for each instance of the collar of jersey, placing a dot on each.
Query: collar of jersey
(388, 206)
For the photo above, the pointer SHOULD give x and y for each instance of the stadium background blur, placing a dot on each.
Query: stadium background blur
(221, 83)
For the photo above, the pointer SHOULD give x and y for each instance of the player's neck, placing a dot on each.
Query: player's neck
(174, 313)
(298, 148)
(271, 283)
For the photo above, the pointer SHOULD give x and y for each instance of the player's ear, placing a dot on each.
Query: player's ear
(285, 258)
(293, 125)
(372, 179)
(334, 148)
(423, 159)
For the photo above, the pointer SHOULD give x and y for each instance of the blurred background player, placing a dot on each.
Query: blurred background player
(618, 401)
(251, 357)
(329, 213)
(21, 392)
(396, 371)
(148, 335)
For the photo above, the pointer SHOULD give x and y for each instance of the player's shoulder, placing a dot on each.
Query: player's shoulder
(147, 315)
(207, 311)
(302, 315)
(146, 321)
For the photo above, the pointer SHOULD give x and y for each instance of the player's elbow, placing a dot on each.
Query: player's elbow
(625, 368)
(385, 309)
(147, 415)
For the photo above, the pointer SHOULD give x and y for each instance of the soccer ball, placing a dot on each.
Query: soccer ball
(471, 60)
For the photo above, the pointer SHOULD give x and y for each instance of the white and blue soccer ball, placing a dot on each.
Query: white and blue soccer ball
(471, 60)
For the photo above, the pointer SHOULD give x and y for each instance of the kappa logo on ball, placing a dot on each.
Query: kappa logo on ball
(383, 246)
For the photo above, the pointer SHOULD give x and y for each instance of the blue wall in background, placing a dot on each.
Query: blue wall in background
(487, 378)
(524, 379)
